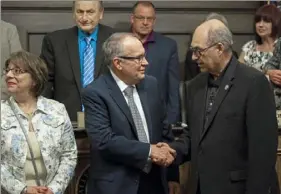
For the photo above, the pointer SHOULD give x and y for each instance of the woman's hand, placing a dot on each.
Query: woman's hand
(36, 190)
(275, 76)
(49, 191)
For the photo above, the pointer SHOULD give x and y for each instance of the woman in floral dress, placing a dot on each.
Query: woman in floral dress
(256, 53)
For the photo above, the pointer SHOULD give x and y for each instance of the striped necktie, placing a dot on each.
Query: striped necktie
(89, 63)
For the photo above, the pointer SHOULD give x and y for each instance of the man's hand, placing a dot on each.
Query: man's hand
(162, 145)
(174, 187)
(275, 76)
(162, 155)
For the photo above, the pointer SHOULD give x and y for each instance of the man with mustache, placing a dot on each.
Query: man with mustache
(74, 56)
(231, 119)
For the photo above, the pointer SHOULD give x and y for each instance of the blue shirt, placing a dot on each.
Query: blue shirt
(82, 46)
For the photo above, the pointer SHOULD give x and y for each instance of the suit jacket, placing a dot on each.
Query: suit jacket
(61, 53)
(235, 153)
(55, 136)
(117, 157)
(9, 43)
(162, 56)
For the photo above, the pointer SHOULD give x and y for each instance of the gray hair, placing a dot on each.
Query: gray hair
(220, 35)
(113, 46)
(217, 16)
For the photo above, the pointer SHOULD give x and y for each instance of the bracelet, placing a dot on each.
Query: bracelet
(24, 191)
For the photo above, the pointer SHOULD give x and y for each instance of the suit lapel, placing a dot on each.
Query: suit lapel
(73, 53)
(200, 103)
(144, 102)
(224, 88)
(119, 99)
(102, 36)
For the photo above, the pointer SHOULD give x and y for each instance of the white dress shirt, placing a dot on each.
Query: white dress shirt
(136, 97)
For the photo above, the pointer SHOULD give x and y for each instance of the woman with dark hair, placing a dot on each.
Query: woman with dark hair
(38, 148)
(256, 53)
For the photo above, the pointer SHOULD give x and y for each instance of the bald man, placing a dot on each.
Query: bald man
(231, 118)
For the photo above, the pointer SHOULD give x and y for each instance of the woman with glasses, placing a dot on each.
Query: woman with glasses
(38, 148)
(256, 53)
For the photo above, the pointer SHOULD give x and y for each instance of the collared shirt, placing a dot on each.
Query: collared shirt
(213, 88)
(82, 46)
(136, 97)
(149, 39)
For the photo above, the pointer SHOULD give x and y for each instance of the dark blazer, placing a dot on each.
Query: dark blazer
(162, 56)
(236, 151)
(61, 54)
(117, 157)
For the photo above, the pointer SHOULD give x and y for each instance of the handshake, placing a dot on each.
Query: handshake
(162, 155)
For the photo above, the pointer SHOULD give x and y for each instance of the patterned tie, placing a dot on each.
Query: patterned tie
(89, 65)
(137, 121)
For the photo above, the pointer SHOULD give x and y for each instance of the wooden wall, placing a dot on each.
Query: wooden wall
(176, 19)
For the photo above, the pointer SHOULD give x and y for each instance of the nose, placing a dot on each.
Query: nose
(260, 23)
(194, 57)
(144, 62)
(9, 74)
(145, 21)
(84, 16)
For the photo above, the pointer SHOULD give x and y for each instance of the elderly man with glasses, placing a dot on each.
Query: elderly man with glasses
(125, 122)
(231, 120)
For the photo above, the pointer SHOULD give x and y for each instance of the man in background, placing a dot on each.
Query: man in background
(74, 56)
(162, 56)
(10, 43)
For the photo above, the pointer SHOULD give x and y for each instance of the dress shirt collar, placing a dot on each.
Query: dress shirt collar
(122, 85)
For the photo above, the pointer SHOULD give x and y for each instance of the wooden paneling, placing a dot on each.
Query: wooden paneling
(177, 19)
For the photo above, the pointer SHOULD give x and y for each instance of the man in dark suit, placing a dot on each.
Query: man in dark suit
(161, 54)
(231, 119)
(74, 56)
(124, 119)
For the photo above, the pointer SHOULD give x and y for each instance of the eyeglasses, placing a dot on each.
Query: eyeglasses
(198, 52)
(16, 71)
(139, 58)
(143, 18)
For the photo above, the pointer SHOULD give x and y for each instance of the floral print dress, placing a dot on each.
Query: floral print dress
(255, 58)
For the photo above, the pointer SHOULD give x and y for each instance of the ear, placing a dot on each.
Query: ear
(101, 14)
(116, 63)
(132, 19)
(220, 48)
